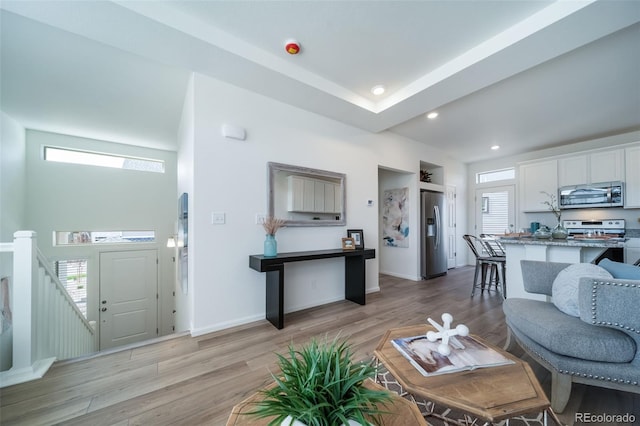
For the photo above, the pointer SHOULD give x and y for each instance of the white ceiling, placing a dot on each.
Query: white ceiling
(521, 74)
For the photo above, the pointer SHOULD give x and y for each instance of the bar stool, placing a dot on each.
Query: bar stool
(496, 250)
(494, 264)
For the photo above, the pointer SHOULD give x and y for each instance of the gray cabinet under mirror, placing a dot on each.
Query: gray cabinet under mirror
(306, 197)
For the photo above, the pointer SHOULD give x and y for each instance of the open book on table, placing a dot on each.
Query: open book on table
(424, 355)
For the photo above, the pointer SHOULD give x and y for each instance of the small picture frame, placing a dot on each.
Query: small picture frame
(348, 244)
(358, 237)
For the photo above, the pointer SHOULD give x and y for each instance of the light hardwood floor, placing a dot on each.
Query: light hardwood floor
(192, 381)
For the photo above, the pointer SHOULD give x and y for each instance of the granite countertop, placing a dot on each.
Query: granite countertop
(632, 233)
(568, 242)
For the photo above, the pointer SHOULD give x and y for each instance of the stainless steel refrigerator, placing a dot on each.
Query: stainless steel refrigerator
(433, 254)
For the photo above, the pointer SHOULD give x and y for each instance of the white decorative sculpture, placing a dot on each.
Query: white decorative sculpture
(447, 334)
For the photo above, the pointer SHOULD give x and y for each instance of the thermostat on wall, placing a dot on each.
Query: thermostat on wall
(233, 132)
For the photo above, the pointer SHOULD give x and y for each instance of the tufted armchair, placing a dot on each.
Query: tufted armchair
(600, 348)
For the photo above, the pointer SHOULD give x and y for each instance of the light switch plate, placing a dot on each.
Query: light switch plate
(260, 218)
(217, 218)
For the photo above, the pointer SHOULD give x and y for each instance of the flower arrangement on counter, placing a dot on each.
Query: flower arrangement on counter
(552, 204)
(272, 224)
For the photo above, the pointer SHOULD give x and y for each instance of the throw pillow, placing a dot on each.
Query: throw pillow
(624, 271)
(565, 287)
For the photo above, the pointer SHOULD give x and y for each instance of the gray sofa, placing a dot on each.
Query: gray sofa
(601, 348)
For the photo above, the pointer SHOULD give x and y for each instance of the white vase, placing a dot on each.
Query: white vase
(290, 421)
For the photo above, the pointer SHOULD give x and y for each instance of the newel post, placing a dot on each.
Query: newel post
(25, 272)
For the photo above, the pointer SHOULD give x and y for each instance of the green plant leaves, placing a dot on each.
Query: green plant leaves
(320, 385)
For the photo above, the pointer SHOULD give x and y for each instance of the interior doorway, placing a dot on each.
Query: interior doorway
(128, 297)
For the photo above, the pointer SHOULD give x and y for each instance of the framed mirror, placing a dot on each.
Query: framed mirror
(306, 197)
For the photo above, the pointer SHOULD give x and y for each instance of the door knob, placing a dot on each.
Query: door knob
(104, 309)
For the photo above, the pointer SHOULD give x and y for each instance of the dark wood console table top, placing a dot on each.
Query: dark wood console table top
(354, 283)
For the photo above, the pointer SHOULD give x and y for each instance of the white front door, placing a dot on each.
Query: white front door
(128, 297)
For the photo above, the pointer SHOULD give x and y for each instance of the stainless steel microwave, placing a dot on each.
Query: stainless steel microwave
(606, 194)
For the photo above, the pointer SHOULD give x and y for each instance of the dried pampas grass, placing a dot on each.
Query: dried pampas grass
(272, 224)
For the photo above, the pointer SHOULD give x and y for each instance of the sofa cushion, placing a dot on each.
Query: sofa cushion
(565, 286)
(543, 323)
(624, 271)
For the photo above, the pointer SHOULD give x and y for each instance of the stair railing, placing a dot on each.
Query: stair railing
(47, 324)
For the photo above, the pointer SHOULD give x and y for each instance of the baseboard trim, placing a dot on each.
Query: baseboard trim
(26, 374)
(403, 276)
(247, 320)
(224, 325)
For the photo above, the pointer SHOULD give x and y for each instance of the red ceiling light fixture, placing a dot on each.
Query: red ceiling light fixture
(292, 47)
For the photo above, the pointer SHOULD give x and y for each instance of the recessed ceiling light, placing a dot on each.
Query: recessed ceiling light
(377, 90)
(495, 147)
(432, 115)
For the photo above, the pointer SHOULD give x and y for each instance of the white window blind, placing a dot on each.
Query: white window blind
(496, 219)
(73, 275)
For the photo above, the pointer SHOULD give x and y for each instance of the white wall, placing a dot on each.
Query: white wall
(230, 176)
(12, 177)
(71, 197)
(186, 133)
(523, 219)
(12, 205)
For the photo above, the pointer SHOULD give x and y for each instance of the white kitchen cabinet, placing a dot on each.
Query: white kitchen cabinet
(313, 196)
(534, 178)
(329, 197)
(632, 177)
(318, 198)
(591, 167)
(295, 194)
(606, 166)
(308, 196)
(573, 170)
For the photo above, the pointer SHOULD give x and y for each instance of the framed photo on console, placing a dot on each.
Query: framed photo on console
(348, 244)
(358, 237)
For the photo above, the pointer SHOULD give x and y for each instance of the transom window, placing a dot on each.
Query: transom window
(496, 175)
(74, 156)
(65, 238)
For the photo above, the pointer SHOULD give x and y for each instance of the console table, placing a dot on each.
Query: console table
(354, 279)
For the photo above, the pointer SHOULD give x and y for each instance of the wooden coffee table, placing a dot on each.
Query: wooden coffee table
(492, 393)
(400, 412)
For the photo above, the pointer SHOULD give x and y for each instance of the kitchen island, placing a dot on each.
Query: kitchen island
(549, 250)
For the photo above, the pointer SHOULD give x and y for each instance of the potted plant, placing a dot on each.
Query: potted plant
(320, 385)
